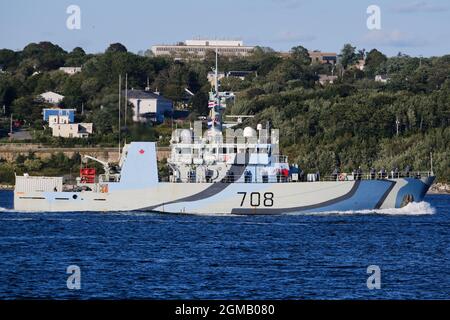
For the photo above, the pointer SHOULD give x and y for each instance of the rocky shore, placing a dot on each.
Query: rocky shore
(442, 188)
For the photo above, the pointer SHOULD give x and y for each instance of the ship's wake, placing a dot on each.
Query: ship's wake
(411, 209)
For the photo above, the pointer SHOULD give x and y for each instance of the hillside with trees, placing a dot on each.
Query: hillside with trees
(352, 122)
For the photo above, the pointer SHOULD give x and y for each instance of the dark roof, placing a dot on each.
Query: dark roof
(238, 73)
(141, 94)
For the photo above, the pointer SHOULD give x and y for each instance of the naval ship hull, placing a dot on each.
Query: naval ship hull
(139, 189)
(236, 198)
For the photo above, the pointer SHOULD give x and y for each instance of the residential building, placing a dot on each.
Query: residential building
(381, 78)
(70, 70)
(52, 120)
(149, 106)
(230, 74)
(72, 130)
(322, 57)
(59, 114)
(239, 74)
(199, 48)
(211, 77)
(51, 97)
(326, 79)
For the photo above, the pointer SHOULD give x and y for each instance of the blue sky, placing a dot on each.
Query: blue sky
(415, 27)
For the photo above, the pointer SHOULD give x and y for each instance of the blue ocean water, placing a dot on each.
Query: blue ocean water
(149, 255)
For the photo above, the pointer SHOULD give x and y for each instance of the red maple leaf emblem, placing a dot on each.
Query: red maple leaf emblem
(141, 151)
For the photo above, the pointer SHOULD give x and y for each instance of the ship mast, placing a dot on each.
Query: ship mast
(216, 76)
(120, 89)
(216, 109)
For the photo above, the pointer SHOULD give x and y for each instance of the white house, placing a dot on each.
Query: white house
(57, 119)
(381, 78)
(51, 97)
(326, 79)
(148, 105)
(70, 70)
(239, 74)
(212, 77)
(72, 130)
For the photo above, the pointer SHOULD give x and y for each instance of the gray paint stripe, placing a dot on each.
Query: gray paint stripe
(214, 189)
(380, 203)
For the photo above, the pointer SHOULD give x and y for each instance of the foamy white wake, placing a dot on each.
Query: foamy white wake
(411, 209)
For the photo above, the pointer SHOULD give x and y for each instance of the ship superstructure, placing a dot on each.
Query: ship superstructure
(248, 156)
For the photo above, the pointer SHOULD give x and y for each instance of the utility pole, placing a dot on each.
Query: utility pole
(397, 123)
(10, 127)
(126, 98)
(120, 87)
(431, 162)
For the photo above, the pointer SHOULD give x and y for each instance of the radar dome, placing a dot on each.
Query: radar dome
(186, 136)
(249, 132)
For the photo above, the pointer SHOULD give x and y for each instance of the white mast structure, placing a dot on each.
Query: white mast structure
(126, 103)
(120, 87)
(216, 112)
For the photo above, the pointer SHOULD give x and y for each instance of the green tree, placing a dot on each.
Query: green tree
(8, 59)
(374, 60)
(348, 55)
(116, 47)
(76, 57)
(45, 55)
(300, 55)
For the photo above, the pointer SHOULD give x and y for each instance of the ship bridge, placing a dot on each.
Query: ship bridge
(248, 157)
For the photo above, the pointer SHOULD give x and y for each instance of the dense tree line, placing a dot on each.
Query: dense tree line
(349, 123)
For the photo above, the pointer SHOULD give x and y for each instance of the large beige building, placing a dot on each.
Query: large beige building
(323, 57)
(199, 48)
(72, 130)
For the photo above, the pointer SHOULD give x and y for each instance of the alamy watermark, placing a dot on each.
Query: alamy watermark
(374, 280)
(73, 21)
(74, 280)
(374, 20)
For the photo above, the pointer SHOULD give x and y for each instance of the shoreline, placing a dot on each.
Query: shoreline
(439, 188)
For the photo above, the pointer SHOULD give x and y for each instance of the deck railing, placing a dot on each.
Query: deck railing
(376, 176)
(282, 179)
(280, 159)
